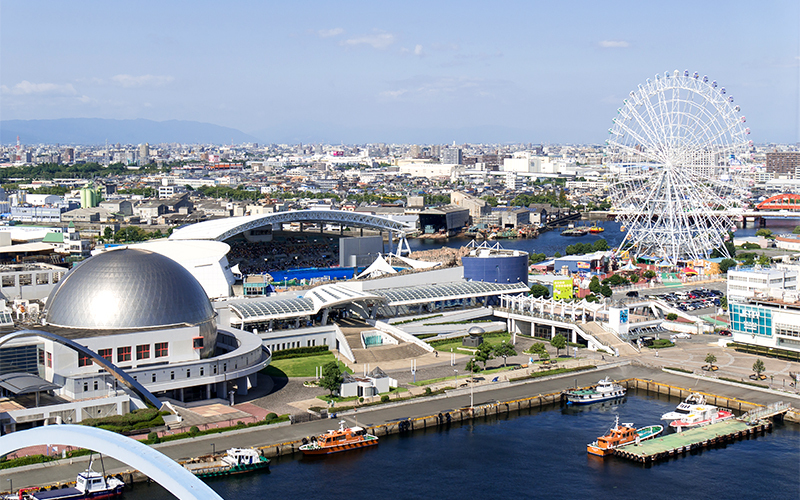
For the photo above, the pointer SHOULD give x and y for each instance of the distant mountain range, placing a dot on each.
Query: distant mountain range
(98, 130)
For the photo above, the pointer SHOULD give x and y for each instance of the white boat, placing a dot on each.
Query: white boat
(700, 416)
(687, 406)
(88, 484)
(603, 391)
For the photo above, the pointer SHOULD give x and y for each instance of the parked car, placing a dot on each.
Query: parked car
(632, 293)
(726, 333)
(680, 335)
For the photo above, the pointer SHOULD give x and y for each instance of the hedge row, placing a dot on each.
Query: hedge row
(300, 352)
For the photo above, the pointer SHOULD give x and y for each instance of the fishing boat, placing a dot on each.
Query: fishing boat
(603, 391)
(88, 484)
(620, 435)
(575, 231)
(595, 229)
(343, 439)
(700, 416)
(235, 461)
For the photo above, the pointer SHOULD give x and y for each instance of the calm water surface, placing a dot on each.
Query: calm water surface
(534, 454)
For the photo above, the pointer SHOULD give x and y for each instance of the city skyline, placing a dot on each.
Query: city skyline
(356, 72)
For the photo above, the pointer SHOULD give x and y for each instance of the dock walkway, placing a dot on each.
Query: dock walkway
(693, 439)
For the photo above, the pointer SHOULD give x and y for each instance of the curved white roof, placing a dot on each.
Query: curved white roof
(222, 229)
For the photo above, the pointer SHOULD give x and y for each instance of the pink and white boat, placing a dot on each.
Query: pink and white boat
(699, 416)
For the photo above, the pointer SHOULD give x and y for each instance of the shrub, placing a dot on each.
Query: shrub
(193, 431)
(672, 316)
(153, 437)
(385, 398)
(270, 416)
(428, 391)
(300, 352)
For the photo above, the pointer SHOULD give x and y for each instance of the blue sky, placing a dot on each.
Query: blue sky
(426, 72)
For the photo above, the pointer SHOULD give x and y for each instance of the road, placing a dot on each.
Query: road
(262, 436)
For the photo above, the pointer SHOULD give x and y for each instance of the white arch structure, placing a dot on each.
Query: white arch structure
(157, 466)
(222, 229)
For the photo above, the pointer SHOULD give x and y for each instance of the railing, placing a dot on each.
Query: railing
(767, 411)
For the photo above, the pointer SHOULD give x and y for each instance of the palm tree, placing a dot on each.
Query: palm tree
(759, 368)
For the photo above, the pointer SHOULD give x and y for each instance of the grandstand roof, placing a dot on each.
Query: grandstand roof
(222, 229)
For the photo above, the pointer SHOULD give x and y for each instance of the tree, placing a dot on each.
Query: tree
(710, 359)
(759, 368)
(559, 342)
(484, 353)
(726, 264)
(766, 233)
(504, 350)
(557, 255)
(108, 234)
(600, 245)
(723, 303)
(539, 291)
(634, 278)
(605, 291)
(473, 366)
(672, 317)
(490, 200)
(796, 230)
(649, 274)
(764, 261)
(331, 377)
(594, 285)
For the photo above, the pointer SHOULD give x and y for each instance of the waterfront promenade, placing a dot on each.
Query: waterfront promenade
(265, 436)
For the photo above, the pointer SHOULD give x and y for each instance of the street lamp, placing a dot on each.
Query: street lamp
(213, 449)
(456, 372)
(10, 485)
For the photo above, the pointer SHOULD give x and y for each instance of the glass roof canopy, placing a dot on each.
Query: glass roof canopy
(449, 291)
(259, 310)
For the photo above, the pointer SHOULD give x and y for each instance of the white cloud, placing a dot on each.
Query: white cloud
(424, 87)
(142, 81)
(330, 32)
(379, 40)
(418, 50)
(27, 88)
(614, 44)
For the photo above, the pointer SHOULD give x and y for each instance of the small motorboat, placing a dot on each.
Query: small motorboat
(235, 461)
(687, 406)
(88, 484)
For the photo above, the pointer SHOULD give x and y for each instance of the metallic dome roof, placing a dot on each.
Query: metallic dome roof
(128, 289)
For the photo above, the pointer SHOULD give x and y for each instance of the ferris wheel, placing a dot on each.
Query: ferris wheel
(675, 149)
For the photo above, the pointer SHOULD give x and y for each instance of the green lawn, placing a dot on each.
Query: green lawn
(300, 367)
(456, 343)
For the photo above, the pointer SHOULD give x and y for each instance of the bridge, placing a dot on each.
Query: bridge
(157, 466)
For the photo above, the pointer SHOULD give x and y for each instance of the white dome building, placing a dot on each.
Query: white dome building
(148, 315)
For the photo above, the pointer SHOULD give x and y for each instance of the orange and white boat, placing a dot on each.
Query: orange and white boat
(343, 439)
(620, 435)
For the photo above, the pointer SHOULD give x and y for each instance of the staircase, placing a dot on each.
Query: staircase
(352, 329)
(608, 339)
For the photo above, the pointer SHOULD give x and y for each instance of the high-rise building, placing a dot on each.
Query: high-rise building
(144, 153)
(69, 155)
(452, 156)
(783, 163)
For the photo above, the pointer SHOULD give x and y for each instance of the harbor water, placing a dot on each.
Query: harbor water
(550, 242)
(531, 454)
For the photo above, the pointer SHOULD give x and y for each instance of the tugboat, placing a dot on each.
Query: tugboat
(235, 461)
(603, 391)
(88, 484)
(343, 439)
(620, 435)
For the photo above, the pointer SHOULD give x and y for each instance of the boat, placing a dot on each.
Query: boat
(88, 484)
(603, 391)
(595, 229)
(343, 439)
(576, 231)
(620, 435)
(692, 401)
(700, 416)
(235, 461)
